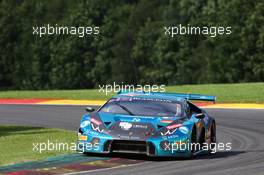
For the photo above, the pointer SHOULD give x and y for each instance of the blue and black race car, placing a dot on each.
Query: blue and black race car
(151, 123)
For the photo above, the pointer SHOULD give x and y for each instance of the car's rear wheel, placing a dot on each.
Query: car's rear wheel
(213, 133)
(212, 136)
(193, 142)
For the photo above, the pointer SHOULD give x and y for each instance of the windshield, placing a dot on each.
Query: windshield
(143, 107)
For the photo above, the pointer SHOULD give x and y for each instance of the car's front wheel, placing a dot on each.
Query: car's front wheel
(212, 137)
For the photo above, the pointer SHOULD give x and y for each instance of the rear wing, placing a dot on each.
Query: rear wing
(199, 97)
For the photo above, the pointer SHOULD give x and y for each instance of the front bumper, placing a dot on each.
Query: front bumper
(156, 146)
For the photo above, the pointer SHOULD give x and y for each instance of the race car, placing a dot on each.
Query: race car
(150, 123)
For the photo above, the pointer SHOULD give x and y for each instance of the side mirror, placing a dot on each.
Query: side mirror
(89, 109)
(200, 115)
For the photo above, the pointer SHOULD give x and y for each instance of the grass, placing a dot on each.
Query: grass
(241, 93)
(16, 143)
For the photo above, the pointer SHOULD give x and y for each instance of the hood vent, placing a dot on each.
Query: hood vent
(160, 126)
(107, 123)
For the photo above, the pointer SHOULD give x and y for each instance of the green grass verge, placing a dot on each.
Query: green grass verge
(241, 93)
(16, 143)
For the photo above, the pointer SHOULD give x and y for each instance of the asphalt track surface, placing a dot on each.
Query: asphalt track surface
(244, 128)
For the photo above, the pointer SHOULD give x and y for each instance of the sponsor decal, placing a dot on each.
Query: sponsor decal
(129, 137)
(136, 119)
(82, 137)
(152, 99)
(85, 123)
(124, 137)
(168, 132)
(125, 125)
(91, 132)
(140, 126)
(184, 129)
(170, 137)
(97, 128)
(173, 136)
(125, 117)
(134, 138)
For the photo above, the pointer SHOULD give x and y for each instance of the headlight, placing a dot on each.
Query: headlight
(170, 129)
(85, 123)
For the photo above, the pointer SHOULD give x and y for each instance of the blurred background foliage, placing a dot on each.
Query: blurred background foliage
(131, 47)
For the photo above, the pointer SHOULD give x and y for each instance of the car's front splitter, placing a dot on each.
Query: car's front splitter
(156, 146)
